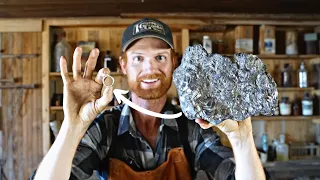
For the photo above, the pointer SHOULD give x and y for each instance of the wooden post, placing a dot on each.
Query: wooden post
(185, 39)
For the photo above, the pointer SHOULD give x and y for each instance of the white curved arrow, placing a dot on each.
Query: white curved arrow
(118, 93)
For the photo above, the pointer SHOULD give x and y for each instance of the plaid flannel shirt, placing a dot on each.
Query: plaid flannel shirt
(131, 147)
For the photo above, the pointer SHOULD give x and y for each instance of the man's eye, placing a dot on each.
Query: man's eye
(160, 58)
(137, 58)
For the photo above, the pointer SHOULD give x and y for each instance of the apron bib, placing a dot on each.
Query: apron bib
(175, 168)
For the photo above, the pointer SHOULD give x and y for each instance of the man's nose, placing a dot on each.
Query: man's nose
(149, 65)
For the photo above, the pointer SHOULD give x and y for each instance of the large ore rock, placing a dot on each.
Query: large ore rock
(215, 88)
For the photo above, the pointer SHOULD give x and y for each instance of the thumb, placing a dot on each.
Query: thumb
(105, 99)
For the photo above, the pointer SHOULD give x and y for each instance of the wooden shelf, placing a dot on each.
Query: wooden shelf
(315, 119)
(284, 56)
(60, 108)
(295, 89)
(57, 74)
(291, 118)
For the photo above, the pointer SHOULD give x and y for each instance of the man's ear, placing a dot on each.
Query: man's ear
(123, 65)
(175, 59)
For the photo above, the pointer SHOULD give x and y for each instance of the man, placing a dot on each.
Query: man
(126, 144)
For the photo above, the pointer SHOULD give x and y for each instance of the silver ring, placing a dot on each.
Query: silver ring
(106, 76)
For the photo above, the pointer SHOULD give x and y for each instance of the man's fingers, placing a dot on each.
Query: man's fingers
(101, 74)
(76, 66)
(105, 99)
(64, 70)
(203, 124)
(91, 63)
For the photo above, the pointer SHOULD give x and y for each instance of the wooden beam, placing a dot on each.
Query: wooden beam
(216, 15)
(185, 39)
(45, 89)
(20, 25)
(118, 21)
(237, 18)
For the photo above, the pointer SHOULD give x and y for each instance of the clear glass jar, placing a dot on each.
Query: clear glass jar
(307, 105)
(62, 48)
(285, 106)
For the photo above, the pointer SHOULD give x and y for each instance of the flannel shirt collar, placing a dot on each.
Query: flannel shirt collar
(126, 120)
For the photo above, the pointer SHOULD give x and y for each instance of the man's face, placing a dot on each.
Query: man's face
(149, 68)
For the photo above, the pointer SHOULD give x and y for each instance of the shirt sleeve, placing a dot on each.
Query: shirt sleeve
(92, 149)
(211, 156)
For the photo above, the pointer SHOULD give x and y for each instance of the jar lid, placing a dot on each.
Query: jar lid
(206, 37)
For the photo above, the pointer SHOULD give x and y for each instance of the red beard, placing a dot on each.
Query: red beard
(152, 93)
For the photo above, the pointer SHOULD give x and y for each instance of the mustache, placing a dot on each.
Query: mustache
(150, 76)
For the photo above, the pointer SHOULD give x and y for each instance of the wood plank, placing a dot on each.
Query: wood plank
(39, 102)
(185, 39)
(18, 126)
(60, 108)
(28, 118)
(34, 96)
(226, 15)
(121, 22)
(20, 25)
(7, 111)
(289, 118)
(45, 89)
(295, 89)
(237, 18)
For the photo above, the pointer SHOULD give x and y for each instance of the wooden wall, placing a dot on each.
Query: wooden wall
(73, 8)
(21, 120)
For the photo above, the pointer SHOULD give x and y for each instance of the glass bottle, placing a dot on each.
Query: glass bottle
(307, 105)
(207, 44)
(175, 101)
(265, 145)
(282, 149)
(62, 48)
(277, 112)
(109, 62)
(291, 43)
(285, 106)
(286, 76)
(314, 76)
(272, 151)
(318, 76)
(316, 105)
(302, 74)
(296, 107)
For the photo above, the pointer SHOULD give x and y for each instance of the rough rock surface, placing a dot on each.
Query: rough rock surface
(215, 88)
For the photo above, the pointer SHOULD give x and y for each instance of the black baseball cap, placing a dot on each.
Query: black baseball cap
(146, 27)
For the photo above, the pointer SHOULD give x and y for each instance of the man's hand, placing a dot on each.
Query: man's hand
(82, 100)
(235, 130)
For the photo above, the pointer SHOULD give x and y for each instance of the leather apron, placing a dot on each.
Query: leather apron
(175, 168)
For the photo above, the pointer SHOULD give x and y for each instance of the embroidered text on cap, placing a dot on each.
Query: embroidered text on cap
(148, 26)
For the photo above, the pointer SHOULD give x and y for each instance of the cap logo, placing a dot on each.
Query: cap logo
(148, 26)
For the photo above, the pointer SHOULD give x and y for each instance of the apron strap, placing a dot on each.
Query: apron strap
(183, 136)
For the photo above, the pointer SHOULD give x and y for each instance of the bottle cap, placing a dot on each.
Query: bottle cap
(206, 37)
